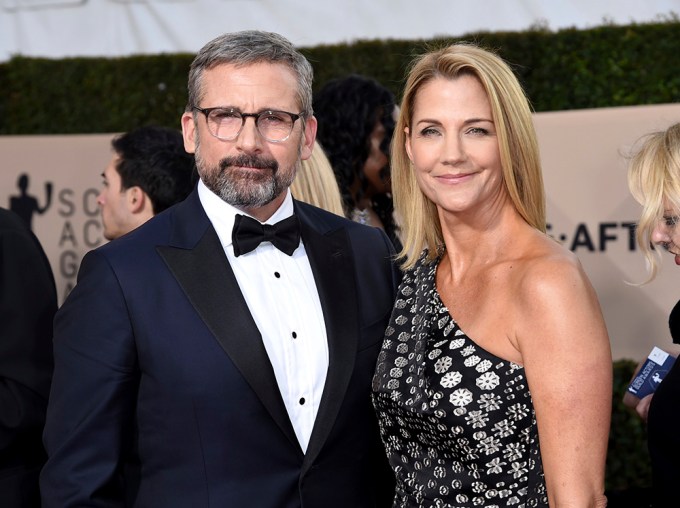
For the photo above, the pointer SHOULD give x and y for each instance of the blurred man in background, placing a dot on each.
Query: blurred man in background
(149, 172)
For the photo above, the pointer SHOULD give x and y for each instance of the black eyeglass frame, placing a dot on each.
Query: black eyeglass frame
(206, 112)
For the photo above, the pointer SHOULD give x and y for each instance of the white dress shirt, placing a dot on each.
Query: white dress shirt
(282, 297)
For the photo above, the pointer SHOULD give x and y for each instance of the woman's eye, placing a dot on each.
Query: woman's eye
(671, 220)
(478, 131)
(429, 131)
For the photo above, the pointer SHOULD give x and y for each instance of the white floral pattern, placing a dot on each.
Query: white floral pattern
(458, 423)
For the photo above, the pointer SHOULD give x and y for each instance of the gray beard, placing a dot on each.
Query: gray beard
(245, 189)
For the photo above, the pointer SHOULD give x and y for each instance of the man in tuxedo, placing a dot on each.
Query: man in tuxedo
(222, 353)
(28, 301)
(149, 171)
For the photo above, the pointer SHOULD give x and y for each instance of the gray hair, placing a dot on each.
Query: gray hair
(250, 47)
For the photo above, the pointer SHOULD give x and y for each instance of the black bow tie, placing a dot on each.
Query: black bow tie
(249, 233)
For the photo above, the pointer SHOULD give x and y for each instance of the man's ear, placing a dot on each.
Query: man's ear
(308, 137)
(137, 199)
(189, 131)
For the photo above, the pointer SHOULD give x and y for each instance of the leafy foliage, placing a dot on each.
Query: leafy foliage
(569, 69)
(628, 464)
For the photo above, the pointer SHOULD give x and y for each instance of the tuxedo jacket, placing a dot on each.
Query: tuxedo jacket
(164, 396)
(28, 301)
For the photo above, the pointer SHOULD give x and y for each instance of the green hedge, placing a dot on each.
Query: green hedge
(627, 458)
(568, 69)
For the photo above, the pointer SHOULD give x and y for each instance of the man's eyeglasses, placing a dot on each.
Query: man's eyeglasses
(227, 123)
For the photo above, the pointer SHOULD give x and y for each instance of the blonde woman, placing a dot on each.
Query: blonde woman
(654, 181)
(494, 384)
(315, 183)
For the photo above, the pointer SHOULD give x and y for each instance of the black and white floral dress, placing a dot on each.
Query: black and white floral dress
(458, 423)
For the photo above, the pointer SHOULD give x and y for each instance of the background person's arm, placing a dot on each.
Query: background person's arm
(28, 302)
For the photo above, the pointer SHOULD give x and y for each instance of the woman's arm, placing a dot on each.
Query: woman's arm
(567, 358)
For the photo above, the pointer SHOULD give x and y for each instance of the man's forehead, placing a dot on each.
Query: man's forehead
(257, 79)
(110, 169)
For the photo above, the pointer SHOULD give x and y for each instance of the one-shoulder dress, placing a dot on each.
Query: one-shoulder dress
(457, 422)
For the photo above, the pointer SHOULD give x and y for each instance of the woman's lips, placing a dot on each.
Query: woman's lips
(453, 179)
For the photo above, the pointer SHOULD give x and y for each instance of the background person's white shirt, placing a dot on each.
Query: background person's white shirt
(282, 297)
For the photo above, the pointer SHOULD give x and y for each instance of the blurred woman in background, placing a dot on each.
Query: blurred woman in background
(654, 181)
(356, 116)
(315, 183)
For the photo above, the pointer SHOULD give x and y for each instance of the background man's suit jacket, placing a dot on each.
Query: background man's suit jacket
(163, 389)
(28, 301)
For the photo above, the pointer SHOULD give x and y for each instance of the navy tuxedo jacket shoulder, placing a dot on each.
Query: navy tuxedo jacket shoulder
(163, 394)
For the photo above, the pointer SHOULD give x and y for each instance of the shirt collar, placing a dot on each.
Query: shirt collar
(222, 215)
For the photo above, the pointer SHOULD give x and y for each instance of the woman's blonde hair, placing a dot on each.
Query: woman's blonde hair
(518, 146)
(654, 177)
(315, 183)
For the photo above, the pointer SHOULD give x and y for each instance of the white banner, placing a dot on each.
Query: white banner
(65, 28)
(589, 208)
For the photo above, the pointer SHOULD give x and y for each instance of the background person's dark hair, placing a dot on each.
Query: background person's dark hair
(153, 158)
(347, 110)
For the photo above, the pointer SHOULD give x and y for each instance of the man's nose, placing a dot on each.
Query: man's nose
(249, 139)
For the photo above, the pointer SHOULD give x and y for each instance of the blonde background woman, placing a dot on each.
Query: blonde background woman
(315, 183)
(654, 181)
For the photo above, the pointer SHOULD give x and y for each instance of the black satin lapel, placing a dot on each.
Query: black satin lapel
(332, 265)
(209, 283)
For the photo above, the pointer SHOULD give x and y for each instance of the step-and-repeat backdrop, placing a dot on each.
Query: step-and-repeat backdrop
(53, 182)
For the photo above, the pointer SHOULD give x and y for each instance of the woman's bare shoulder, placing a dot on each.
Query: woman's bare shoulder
(549, 270)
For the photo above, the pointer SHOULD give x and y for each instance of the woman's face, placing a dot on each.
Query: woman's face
(666, 233)
(376, 166)
(453, 146)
